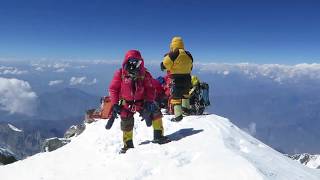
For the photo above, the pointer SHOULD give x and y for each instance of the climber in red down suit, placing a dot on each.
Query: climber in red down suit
(132, 86)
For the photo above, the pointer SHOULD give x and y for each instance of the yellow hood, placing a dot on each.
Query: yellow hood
(176, 43)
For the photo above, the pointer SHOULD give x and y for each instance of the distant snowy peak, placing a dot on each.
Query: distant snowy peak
(14, 128)
(275, 72)
(311, 161)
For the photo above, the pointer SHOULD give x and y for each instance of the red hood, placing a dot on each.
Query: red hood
(133, 54)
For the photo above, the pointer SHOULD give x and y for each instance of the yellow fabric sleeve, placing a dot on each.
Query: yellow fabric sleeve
(167, 62)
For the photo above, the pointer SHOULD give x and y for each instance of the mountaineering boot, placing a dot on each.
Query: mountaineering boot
(159, 138)
(177, 113)
(186, 111)
(177, 119)
(127, 141)
(128, 145)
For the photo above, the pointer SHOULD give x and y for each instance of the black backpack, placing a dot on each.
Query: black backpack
(204, 93)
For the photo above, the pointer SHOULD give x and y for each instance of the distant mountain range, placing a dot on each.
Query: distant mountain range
(28, 141)
(65, 103)
(57, 111)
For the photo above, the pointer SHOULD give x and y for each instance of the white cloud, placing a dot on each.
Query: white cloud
(55, 66)
(55, 82)
(39, 69)
(60, 65)
(276, 72)
(61, 70)
(80, 67)
(82, 81)
(110, 62)
(17, 96)
(5, 70)
(226, 73)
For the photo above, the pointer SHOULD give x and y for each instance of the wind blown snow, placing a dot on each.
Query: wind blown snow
(203, 147)
(17, 96)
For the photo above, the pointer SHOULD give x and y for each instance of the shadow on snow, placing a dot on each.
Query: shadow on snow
(180, 134)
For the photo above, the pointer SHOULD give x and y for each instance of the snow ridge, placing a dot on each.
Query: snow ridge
(202, 147)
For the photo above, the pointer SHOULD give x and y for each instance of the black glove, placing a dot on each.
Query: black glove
(147, 116)
(116, 110)
(162, 67)
(114, 114)
(150, 106)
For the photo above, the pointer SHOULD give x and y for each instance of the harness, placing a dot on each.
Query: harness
(131, 103)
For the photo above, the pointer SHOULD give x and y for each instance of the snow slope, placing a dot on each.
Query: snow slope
(204, 147)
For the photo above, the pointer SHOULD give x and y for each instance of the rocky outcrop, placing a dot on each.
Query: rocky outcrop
(52, 144)
(74, 130)
(6, 157)
(21, 143)
(312, 161)
(25, 138)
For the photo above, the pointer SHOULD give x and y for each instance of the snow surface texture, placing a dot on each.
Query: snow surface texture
(203, 147)
(314, 162)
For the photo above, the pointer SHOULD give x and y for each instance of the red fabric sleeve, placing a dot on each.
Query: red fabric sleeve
(150, 93)
(158, 88)
(115, 87)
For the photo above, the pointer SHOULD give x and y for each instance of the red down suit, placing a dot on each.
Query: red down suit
(133, 92)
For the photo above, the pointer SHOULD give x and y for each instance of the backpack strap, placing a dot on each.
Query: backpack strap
(189, 54)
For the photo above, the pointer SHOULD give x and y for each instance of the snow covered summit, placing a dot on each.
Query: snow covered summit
(203, 147)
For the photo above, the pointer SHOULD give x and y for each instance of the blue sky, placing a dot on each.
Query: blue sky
(286, 32)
